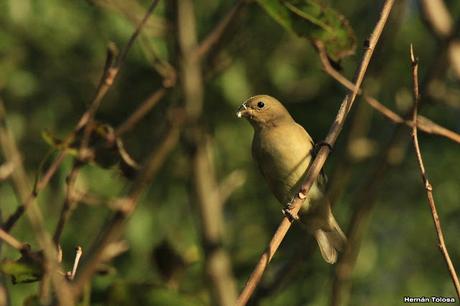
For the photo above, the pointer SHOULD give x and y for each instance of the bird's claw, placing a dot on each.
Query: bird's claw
(302, 195)
(287, 211)
(317, 146)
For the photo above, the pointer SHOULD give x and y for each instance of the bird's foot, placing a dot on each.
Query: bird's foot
(317, 146)
(287, 211)
(302, 195)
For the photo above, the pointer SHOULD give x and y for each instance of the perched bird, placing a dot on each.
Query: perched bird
(283, 151)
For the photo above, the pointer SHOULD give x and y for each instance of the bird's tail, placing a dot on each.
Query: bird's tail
(330, 241)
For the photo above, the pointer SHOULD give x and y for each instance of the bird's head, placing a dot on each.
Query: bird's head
(263, 110)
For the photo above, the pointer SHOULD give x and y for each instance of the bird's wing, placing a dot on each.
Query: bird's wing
(322, 177)
(267, 166)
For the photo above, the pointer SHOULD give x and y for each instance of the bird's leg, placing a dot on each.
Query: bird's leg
(317, 146)
(287, 211)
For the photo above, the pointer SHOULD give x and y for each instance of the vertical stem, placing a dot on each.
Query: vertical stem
(217, 265)
(426, 182)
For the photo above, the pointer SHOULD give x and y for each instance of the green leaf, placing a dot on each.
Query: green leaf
(59, 144)
(315, 21)
(24, 270)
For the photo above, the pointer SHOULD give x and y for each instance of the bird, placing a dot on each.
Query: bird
(283, 151)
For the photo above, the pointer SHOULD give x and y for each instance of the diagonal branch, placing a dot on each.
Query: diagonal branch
(364, 201)
(426, 182)
(321, 157)
(423, 123)
(218, 31)
(34, 214)
(141, 111)
(11, 241)
(69, 202)
(125, 206)
(112, 67)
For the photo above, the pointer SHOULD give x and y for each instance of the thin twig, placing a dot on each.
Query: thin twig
(141, 111)
(426, 182)
(104, 85)
(110, 72)
(320, 159)
(423, 123)
(69, 202)
(285, 272)
(84, 197)
(365, 200)
(126, 206)
(112, 68)
(34, 214)
(364, 203)
(78, 253)
(107, 78)
(6, 169)
(213, 38)
(11, 241)
(40, 185)
(136, 33)
(329, 69)
(201, 51)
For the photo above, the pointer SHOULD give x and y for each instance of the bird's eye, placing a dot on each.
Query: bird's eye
(260, 104)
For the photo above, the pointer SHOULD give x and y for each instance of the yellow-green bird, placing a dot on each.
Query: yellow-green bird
(283, 151)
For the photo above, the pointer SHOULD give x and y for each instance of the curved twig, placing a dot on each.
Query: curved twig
(426, 182)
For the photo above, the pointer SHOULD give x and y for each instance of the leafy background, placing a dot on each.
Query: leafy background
(52, 54)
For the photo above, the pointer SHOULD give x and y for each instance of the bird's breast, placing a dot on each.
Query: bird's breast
(283, 155)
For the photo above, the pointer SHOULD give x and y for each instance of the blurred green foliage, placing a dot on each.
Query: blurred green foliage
(315, 21)
(51, 57)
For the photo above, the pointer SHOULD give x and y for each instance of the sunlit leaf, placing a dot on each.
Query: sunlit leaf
(315, 21)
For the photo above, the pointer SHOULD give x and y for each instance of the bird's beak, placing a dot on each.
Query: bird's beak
(242, 111)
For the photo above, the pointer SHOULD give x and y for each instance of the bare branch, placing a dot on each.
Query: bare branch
(40, 185)
(78, 253)
(218, 31)
(365, 200)
(110, 72)
(364, 203)
(217, 262)
(21, 184)
(126, 206)
(426, 182)
(141, 111)
(424, 124)
(6, 170)
(11, 241)
(136, 33)
(320, 159)
(69, 202)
